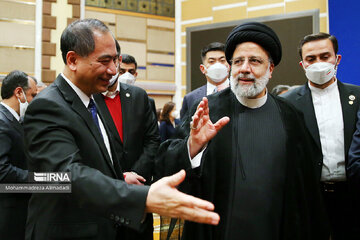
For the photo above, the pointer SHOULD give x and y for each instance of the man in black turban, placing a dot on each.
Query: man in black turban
(249, 153)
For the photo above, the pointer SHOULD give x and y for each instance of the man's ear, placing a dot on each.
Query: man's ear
(18, 93)
(202, 68)
(71, 60)
(135, 74)
(271, 69)
(301, 64)
(338, 59)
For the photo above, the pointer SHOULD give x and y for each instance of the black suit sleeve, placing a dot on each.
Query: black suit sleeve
(184, 108)
(8, 172)
(58, 140)
(144, 166)
(353, 167)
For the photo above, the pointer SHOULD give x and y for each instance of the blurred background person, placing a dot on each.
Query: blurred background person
(128, 73)
(280, 89)
(168, 121)
(18, 90)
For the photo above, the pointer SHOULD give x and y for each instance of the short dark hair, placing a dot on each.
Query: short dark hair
(214, 46)
(318, 36)
(79, 37)
(128, 59)
(13, 80)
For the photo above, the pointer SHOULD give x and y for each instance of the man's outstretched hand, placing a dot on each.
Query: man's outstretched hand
(163, 198)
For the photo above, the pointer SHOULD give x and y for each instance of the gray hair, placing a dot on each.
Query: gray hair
(79, 37)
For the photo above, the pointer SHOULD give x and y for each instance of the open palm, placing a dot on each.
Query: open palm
(202, 129)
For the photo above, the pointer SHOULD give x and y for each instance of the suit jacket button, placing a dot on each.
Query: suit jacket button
(319, 163)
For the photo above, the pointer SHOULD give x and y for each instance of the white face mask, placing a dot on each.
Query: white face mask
(23, 106)
(217, 72)
(320, 72)
(127, 78)
(175, 114)
(113, 79)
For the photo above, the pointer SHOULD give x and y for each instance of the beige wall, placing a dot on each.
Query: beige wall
(151, 40)
(217, 11)
(17, 42)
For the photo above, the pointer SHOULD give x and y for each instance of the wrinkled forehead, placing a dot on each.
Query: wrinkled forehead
(250, 49)
(104, 44)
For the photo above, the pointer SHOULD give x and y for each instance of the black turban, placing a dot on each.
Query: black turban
(254, 32)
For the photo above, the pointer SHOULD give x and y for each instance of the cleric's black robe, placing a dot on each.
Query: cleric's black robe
(302, 213)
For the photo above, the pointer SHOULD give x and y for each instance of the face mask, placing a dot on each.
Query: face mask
(175, 114)
(320, 72)
(23, 106)
(113, 79)
(127, 78)
(217, 72)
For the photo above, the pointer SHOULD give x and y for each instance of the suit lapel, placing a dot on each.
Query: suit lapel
(80, 109)
(349, 105)
(306, 104)
(106, 121)
(126, 108)
(15, 123)
(100, 102)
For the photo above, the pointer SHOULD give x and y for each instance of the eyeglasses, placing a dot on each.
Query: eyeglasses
(252, 61)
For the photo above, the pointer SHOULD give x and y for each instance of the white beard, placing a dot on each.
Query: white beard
(249, 90)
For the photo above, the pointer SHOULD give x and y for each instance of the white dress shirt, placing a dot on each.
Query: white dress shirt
(12, 111)
(250, 103)
(86, 100)
(211, 88)
(329, 117)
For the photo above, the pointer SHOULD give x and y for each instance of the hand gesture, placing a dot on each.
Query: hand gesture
(202, 130)
(163, 198)
(133, 178)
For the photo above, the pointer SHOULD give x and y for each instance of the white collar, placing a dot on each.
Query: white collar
(111, 94)
(331, 87)
(211, 87)
(83, 97)
(253, 102)
(12, 111)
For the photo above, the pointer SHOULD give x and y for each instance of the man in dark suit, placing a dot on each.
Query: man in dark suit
(128, 73)
(17, 90)
(329, 108)
(216, 70)
(128, 113)
(249, 152)
(66, 132)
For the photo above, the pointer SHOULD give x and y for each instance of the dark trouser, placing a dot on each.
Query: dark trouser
(342, 211)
